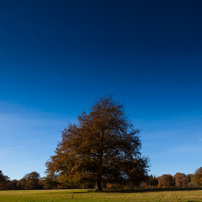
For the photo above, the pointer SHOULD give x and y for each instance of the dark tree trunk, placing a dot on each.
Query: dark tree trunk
(98, 186)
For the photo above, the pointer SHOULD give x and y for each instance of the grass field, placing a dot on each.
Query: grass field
(89, 196)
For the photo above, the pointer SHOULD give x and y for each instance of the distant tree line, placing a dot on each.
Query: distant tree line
(29, 181)
(33, 181)
(179, 180)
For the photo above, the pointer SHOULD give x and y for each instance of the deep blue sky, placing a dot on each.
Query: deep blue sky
(57, 57)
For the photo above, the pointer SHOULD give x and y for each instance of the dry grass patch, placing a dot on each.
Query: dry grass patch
(91, 196)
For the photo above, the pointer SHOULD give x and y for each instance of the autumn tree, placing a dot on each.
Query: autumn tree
(181, 180)
(198, 177)
(103, 146)
(21, 184)
(49, 182)
(153, 181)
(191, 180)
(4, 180)
(12, 185)
(30, 181)
(166, 180)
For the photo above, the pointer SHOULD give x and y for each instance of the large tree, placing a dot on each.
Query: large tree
(103, 146)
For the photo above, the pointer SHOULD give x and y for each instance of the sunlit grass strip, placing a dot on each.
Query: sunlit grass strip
(91, 196)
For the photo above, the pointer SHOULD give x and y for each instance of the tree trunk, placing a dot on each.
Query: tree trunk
(98, 186)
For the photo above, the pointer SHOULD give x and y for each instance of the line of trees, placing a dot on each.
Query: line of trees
(179, 180)
(34, 181)
(29, 181)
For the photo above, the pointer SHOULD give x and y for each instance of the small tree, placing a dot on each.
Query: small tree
(21, 184)
(49, 182)
(102, 147)
(4, 180)
(30, 181)
(166, 180)
(181, 180)
(12, 185)
(198, 177)
(153, 182)
(191, 180)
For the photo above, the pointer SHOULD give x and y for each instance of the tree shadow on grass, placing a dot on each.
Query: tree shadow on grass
(138, 190)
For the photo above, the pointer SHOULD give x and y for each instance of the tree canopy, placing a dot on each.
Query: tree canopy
(181, 180)
(30, 181)
(198, 177)
(103, 146)
(3, 181)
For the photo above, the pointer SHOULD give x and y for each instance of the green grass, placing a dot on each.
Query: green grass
(91, 196)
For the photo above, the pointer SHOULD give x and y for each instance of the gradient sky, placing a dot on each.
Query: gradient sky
(57, 57)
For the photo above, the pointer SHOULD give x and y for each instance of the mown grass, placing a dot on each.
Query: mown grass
(91, 196)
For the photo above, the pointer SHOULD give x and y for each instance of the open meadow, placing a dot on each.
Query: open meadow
(89, 196)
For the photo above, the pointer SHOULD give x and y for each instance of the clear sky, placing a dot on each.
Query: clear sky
(57, 57)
